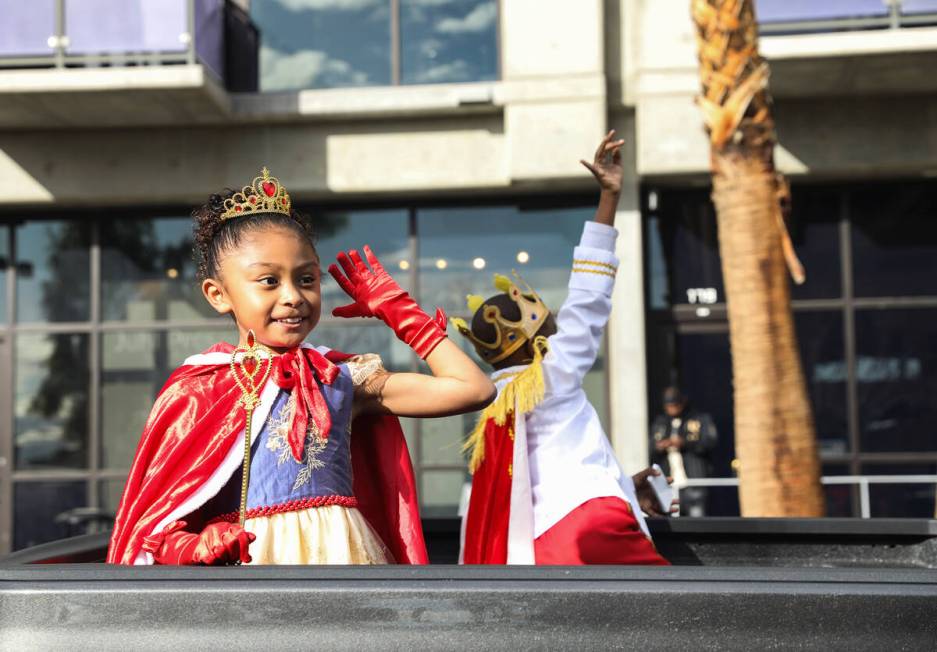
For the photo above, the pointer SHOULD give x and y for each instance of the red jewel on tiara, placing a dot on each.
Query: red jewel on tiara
(265, 194)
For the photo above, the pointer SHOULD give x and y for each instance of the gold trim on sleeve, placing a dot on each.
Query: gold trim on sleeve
(594, 263)
(583, 270)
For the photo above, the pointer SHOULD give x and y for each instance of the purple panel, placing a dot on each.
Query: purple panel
(122, 26)
(919, 6)
(26, 27)
(209, 34)
(776, 11)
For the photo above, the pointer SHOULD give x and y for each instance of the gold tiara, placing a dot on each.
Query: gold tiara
(509, 335)
(264, 195)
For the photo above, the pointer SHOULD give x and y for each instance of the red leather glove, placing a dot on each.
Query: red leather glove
(376, 294)
(217, 545)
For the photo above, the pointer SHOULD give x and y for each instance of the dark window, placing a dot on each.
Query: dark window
(683, 250)
(822, 354)
(896, 372)
(914, 500)
(814, 230)
(705, 377)
(441, 491)
(840, 498)
(133, 368)
(52, 380)
(53, 276)
(147, 271)
(894, 240)
(36, 506)
(110, 492)
(134, 365)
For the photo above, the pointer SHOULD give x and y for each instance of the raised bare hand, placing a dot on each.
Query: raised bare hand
(647, 498)
(606, 165)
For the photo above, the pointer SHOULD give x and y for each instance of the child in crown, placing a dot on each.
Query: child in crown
(329, 475)
(546, 486)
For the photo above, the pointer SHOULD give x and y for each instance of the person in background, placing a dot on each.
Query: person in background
(681, 442)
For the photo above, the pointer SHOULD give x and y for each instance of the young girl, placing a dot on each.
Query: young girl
(330, 479)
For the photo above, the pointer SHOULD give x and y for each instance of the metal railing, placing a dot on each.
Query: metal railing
(780, 17)
(58, 34)
(173, 42)
(862, 481)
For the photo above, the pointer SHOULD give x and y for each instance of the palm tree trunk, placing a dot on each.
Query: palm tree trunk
(779, 467)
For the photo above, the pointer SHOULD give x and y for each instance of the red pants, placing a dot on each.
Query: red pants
(599, 531)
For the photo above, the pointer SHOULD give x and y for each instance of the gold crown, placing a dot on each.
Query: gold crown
(509, 335)
(264, 195)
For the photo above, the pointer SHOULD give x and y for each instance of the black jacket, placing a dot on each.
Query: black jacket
(699, 436)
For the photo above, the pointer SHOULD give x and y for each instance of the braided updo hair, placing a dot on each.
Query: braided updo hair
(214, 236)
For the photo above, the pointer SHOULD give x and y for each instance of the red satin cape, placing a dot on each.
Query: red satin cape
(193, 425)
(489, 511)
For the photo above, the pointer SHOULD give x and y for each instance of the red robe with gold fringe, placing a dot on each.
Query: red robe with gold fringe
(489, 513)
(547, 487)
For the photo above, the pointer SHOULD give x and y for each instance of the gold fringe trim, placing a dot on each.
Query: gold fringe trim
(523, 393)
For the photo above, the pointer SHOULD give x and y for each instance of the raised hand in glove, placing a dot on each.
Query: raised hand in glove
(218, 544)
(376, 294)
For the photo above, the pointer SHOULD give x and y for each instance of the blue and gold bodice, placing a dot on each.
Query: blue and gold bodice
(278, 482)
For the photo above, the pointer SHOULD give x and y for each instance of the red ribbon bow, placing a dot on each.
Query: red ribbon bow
(294, 369)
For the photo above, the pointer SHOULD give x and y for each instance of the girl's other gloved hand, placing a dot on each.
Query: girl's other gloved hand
(376, 294)
(218, 544)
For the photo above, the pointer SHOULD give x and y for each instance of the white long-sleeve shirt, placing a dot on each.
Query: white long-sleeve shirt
(569, 456)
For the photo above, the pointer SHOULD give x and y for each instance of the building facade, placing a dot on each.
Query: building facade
(447, 134)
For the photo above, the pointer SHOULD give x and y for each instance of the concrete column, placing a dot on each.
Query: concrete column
(552, 54)
(551, 38)
(626, 349)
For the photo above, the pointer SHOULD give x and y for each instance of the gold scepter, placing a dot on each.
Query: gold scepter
(246, 371)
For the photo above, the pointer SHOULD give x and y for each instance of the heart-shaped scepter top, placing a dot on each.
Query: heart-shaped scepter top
(251, 367)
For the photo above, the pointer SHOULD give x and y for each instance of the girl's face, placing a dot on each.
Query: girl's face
(270, 282)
